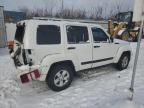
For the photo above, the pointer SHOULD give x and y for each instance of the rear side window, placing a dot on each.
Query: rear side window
(48, 34)
(77, 34)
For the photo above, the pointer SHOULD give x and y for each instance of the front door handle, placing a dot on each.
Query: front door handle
(71, 48)
(96, 46)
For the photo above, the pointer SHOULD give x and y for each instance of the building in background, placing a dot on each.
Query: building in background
(13, 16)
(3, 36)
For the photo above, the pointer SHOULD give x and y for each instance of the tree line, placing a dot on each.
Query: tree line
(95, 13)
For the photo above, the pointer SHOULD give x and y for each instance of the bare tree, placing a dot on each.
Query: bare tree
(49, 7)
(121, 6)
(25, 10)
(118, 7)
(97, 13)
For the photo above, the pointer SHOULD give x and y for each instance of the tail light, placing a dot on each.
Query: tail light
(30, 76)
(10, 44)
(24, 78)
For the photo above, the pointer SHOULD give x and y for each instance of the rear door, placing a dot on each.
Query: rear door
(79, 45)
(48, 41)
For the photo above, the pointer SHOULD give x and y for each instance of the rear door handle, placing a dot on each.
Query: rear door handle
(71, 48)
(96, 46)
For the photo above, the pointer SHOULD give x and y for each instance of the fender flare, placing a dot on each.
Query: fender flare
(120, 52)
(49, 60)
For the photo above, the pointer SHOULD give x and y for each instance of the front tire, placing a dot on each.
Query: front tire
(60, 77)
(123, 62)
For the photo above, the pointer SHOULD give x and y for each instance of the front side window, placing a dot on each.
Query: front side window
(99, 35)
(48, 34)
(77, 34)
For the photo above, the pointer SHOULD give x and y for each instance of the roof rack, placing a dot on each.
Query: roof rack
(70, 20)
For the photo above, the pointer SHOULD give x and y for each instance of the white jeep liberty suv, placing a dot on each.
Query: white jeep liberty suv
(54, 50)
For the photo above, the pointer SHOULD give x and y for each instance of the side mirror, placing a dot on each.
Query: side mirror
(112, 39)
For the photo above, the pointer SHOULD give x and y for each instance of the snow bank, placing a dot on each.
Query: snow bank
(9, 87)
(8, 93)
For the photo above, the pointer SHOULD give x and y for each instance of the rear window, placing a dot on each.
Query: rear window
(48, 34)
(20, 33)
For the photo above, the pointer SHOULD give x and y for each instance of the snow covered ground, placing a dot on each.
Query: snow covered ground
(103, 87)
(9, 87)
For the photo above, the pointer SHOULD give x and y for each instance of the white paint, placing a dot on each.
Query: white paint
(46, 55)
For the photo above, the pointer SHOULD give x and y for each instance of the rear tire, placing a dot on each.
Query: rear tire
(123, 62)
(60, 77)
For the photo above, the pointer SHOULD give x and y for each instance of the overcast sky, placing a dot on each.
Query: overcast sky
(80, 4)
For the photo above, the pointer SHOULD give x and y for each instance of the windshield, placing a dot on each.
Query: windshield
(125, 17)
(20, 33)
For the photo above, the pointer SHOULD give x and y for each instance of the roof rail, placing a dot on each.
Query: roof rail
(70, 20)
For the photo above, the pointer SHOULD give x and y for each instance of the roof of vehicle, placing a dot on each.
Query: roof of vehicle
(32, 23)
(64, 21)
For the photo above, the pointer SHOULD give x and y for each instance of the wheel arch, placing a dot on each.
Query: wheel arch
(51, 60)
(122, 51)
(65, 62)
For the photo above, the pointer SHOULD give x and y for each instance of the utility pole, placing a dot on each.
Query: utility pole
(62, 5)
(136, 59)
(137, 17)
(62, 8)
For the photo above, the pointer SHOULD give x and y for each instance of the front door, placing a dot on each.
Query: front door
(104, 51)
